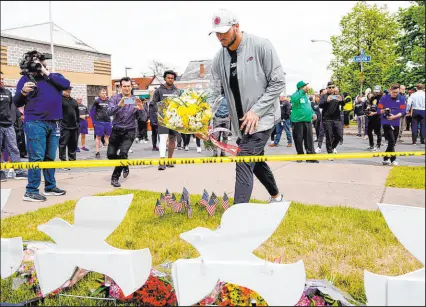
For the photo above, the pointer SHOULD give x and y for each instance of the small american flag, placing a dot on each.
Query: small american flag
(183, 201)
(177, 206)
(211, 206)
(162, 198)
(215, 199)
(159, 209)
(168, 198)
(185, 195)
(189, 209)
(225, 202)
(205, 199)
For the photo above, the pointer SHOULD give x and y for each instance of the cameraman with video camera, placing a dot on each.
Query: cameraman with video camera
(40, 91)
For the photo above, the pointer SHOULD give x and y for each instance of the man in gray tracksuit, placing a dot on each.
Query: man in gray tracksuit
(252, 78)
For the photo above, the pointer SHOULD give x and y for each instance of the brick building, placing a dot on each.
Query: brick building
(88, 69)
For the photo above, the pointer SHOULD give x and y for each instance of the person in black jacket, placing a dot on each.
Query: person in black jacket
(20, 134)
(284, 124)
(143, 123)
(319, 131)
(69, 127)
(7, 132)
(330, 105)
(374, 120)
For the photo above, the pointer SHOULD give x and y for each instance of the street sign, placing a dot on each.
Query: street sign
(362, 58)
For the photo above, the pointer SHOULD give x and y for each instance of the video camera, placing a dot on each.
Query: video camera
(371, 108)
(28, 65)
(387, 113)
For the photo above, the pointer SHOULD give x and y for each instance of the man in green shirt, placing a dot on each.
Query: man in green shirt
(302, 115)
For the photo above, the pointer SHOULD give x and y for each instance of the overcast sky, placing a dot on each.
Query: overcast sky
(175, 33)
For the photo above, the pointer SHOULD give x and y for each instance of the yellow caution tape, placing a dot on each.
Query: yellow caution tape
(232, 159)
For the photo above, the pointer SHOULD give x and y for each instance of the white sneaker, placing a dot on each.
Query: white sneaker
(198, 149)
(186, 148)
(335, 151)
(145, 142)
(366, 137)
(318, 150)
(130, 151)
(276, 200)
(395, 163)
(136, 140)
(386, 163)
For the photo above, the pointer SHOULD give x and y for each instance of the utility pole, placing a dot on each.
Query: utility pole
(51, 37)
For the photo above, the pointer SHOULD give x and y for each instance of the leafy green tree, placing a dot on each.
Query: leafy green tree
(411, 46)
(373, 29)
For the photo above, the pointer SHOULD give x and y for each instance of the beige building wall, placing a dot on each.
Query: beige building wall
(82, 68)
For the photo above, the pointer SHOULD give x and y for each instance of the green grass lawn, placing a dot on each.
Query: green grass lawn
(412, 177)
(335, 243)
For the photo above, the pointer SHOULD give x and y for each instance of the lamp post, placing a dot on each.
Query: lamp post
(52, 50)
(321, 40)
(125, 69)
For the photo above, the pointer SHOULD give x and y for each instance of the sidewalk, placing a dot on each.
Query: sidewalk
(329, 184)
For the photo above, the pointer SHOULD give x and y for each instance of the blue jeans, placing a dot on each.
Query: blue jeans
(279, 129)
(42, 145)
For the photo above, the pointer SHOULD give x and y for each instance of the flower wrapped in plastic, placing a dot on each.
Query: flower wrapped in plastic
(189, 113)
(192, 112)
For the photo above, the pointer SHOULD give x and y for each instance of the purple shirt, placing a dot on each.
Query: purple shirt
(396, 105)
(124, 117)
(44, 103)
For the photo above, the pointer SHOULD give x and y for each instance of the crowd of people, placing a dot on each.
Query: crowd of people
(328, 113)
(253, 105)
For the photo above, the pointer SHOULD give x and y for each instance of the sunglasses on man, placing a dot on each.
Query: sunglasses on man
(331, 87)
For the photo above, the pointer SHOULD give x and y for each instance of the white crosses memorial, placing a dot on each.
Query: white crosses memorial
(408, 226)
(82, 245)
(226, 255)
(11, 249)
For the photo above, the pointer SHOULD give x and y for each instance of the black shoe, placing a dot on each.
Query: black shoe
(161, 167)
(24, 157)
(214, 155)
(21, 175)
(170, 165)
(115, 183)
(312, 161)
(223, 154)
(98, 155)
(3, 177)
(34, 197)
(299, 161)
(125, 172)
(54, 192)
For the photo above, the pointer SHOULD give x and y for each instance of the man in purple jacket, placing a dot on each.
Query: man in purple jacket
(40, 91)
(391, 108)
(124, 107)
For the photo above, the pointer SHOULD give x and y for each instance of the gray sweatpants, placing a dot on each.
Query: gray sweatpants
(360, 120)
(8, 136)
(253, 145)
(221, 123)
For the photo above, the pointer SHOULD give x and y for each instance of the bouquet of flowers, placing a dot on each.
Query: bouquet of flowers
(189, 113)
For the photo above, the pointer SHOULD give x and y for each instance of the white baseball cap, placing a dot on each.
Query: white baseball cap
(222, 21)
